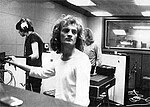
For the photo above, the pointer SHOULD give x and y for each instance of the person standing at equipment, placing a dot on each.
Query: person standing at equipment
(33, 49)
(92, 50)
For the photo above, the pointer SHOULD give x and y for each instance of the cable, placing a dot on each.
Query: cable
(11, 79)
(137, 98)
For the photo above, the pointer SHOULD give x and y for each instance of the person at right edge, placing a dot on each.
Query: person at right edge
(92, 50)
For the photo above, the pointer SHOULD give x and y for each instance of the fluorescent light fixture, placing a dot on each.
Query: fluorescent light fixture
(142, 2)
(101, 13)
(146, 13)
(119, 32)
(142, 27)
(82, 2)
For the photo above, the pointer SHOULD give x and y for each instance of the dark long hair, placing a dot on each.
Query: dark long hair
(27, 28)
(66, 21)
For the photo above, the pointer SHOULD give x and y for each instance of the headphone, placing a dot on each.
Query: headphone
(24, 25)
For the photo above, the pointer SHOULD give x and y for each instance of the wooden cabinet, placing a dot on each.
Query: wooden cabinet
(146, 72)
(139, 71)
(135, 71)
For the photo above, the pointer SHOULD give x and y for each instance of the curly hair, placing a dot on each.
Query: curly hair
(63, 22)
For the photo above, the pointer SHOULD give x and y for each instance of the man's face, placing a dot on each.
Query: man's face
(22, 33)
(69, 34)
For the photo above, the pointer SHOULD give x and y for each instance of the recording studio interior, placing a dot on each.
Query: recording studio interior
(121, 30)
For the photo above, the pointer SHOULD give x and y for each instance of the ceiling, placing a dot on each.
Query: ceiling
(115, 7)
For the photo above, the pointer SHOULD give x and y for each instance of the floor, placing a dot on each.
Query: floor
(103, 103)
(118, 105)
(138, 98)
(143, 100)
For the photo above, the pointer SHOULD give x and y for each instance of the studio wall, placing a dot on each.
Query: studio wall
(95, 24)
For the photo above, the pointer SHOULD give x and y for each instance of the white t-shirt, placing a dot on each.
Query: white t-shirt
(72, 78)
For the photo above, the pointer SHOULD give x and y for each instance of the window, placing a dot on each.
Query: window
(127, 33)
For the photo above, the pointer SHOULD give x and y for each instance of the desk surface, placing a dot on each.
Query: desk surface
(32, 99)
(102, 80)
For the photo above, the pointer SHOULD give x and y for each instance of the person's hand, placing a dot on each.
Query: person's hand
(11, 59)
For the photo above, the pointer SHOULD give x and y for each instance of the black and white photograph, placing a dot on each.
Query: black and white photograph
(74, 53)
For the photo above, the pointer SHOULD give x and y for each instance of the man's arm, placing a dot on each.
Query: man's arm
(35, 51)
(23, 67)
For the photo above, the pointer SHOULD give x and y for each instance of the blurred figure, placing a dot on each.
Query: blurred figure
(72, 67)
(33, 49)
(92, 50)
